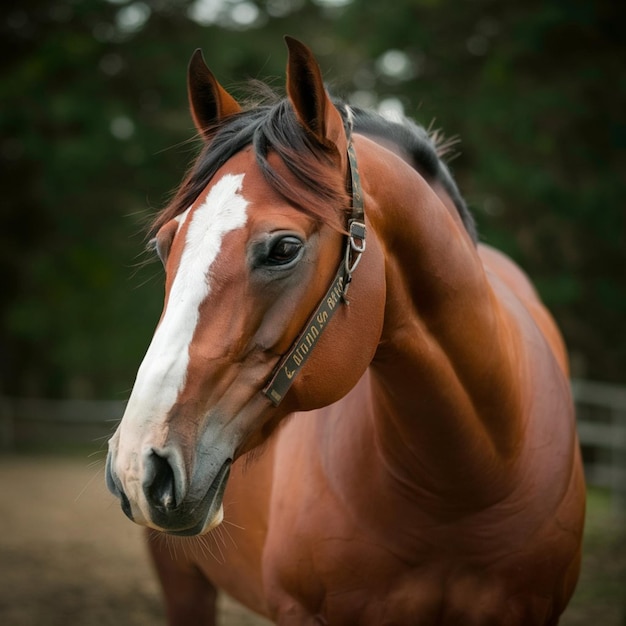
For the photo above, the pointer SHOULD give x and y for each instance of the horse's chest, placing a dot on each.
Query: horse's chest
(416, 599)
(343, 581)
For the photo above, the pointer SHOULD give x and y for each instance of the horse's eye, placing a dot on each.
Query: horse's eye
(154, 247)
(284, 251)
(163, 240)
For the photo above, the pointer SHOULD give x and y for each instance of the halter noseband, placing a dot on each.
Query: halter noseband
(292, 362)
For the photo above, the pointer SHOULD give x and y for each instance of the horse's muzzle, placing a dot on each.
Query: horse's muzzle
(170, 503)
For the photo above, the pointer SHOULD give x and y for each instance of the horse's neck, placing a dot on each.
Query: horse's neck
(444, 401)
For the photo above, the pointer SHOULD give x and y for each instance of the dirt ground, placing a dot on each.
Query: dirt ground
(69, 556)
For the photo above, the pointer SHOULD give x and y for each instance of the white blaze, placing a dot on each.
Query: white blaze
(161, 375)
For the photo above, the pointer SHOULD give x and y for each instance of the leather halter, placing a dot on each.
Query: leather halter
(292, 362)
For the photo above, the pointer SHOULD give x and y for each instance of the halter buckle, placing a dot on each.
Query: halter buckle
(357, 236)
(354, 251)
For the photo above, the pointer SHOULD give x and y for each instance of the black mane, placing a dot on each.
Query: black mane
(273, 127)
(268, 128)
(421, 153)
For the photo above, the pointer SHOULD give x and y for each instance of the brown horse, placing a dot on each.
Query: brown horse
(402, 452)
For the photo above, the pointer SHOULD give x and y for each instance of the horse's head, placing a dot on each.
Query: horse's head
(250, 246)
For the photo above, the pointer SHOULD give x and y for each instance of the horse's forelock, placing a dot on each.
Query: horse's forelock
(319, 190)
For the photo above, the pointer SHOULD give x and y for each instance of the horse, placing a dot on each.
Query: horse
(351, 411)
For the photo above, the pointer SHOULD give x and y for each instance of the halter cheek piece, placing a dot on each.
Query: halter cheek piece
(292, 362)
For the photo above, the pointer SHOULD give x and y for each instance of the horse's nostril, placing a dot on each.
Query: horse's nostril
(160, 483)
(126, 505)
(116, 489)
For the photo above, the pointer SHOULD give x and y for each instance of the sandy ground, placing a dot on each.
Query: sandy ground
(69, 556)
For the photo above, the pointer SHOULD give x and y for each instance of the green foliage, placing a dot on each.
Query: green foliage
(94, 133)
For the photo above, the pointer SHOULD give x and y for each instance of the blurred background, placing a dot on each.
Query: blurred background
(95, 134)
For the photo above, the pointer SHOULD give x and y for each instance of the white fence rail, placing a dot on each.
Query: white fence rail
(601, 411)
(601, 416)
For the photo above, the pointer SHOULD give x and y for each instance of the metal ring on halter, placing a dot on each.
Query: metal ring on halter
(354, 251)
(357, 245)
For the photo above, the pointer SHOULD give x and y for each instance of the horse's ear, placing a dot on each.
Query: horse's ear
(308, 96)
(208, 100)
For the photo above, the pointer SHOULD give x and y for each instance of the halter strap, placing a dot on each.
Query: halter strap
(292, 362)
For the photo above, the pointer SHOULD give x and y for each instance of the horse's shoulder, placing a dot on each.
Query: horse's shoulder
(508, 272)
(504, 273)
